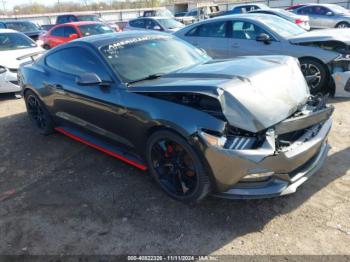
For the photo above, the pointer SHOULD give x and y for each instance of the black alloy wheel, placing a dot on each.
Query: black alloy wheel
(38, 114)
(176, 167)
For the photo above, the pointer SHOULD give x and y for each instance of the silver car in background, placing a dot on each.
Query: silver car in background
(164, 24)
(325, 15)
(323, 54)
(300, 20)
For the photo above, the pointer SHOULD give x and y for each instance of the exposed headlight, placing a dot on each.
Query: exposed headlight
(213, 140)
(342, 57)
(257, 177)
(2, 69)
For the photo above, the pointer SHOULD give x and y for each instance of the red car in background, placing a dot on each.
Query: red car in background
(64, 33)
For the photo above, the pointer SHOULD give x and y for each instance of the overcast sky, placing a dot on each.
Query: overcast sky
(11, 3)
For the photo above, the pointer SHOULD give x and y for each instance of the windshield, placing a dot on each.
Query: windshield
(137, 58)
(88, 18)
(94, 29)
(170, 23)
(22, 26)
(338, 9)
(13, 41)
(281, 26)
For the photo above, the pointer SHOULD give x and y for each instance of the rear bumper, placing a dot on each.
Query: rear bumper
(291, 167)
(9, 83)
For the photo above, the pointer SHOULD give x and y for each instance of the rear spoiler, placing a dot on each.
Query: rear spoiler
(31, 55)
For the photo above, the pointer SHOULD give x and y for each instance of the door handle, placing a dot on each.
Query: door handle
(195, 44)
(235, 45)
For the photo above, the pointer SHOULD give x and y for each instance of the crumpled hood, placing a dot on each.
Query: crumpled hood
(342, 35)
(9, 58)
(255, 93)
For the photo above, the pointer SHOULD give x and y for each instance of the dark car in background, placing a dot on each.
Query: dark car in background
(245, 127)
(164, 24)
(68, 18)
(26, 27)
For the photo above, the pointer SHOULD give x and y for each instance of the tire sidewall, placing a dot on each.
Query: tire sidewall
(203, 184)
(49, 127)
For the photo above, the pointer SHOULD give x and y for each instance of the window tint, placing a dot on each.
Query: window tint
(62, 19)
(75, 61)
(72, 18)
(305, 10)
(216, 29)
(69, 30)
(137, 23)
(58, 32)
(150, 24)
(2, 25)
(246, 30)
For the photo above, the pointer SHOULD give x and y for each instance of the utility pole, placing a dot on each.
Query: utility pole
(3, 6)
(59, 5)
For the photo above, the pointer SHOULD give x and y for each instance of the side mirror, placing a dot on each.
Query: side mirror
(88, 79)
(263, 38)
(157, 27)
(73, 36)
(329, 14)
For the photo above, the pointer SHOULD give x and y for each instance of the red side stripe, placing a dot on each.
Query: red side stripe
(126, 160)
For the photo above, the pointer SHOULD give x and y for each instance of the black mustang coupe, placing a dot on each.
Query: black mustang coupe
(240, 128)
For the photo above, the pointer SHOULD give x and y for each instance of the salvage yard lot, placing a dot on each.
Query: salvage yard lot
(61, 197)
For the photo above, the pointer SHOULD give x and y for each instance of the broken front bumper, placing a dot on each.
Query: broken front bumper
(290, 167)
(342, 84)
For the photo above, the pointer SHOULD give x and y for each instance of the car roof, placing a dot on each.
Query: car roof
(152, 17)
(250, 4)
(105, 39)
(8, 31)
(14, 21)
(79, 23)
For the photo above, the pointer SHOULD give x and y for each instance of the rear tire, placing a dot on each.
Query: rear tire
(177, 167)
(38, 113)
(343, 25)
(313, 69)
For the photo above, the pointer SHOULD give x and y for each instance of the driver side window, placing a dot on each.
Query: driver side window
(75, 61)
(246, 31)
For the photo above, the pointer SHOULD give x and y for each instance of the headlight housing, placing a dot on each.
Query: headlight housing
(214, 140)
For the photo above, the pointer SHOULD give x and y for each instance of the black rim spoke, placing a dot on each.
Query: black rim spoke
(36, 112)
(174, 167)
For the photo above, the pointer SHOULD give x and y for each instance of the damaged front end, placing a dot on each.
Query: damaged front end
(339, 66)
(271, 162)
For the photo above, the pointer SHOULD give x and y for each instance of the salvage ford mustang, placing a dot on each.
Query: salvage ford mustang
(240, 128)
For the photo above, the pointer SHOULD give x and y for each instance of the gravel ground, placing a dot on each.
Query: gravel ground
(58, 196)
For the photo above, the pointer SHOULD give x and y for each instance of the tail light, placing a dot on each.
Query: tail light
(298, 21)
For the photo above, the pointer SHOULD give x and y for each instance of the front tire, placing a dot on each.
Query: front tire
(38, 113)
(342, 25)
(177, 167)
(316, 75)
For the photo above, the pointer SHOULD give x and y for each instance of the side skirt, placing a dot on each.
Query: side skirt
(103, 147)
